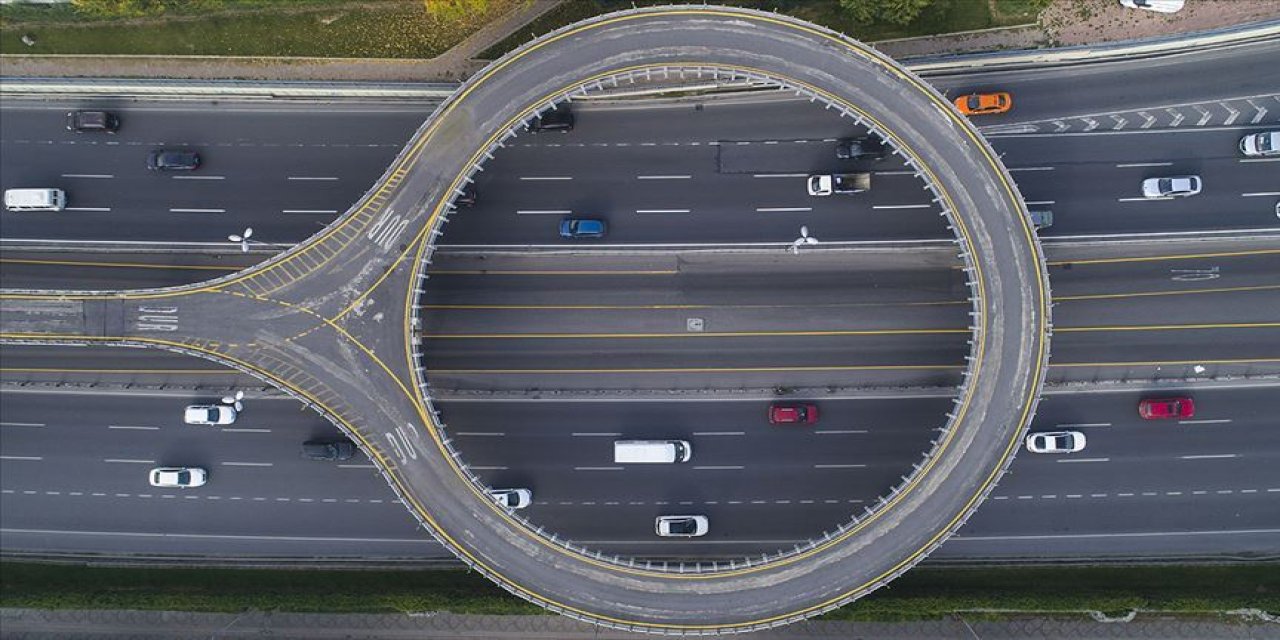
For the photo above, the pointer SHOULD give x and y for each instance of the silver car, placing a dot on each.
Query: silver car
(1171, 187)
(1261, 145)
(1055, 442)
(512, 498)
(210, 414)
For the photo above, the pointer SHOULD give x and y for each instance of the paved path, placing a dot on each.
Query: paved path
(100, 625)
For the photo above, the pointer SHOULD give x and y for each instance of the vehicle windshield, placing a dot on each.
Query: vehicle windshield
(212, 414)
(183, 477)
(975, 102)
(682, 526)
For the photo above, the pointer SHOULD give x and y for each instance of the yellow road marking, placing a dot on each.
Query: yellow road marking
(121, 265)
(693, 334)
(1182, 256)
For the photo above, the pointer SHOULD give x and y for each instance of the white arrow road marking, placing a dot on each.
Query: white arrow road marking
(1061, 126)
(1150, 119)
(1177, 117)
(1234, 114)
(1204, 115)
(1092, 124)
(1262, 111)
(1120, 122)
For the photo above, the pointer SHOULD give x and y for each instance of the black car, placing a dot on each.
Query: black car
(559, 119)
(81, 121)
(867, 148)
(328, 449)
(163, 160)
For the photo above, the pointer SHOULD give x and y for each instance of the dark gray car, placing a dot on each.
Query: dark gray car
(328, 450)
(165, 160)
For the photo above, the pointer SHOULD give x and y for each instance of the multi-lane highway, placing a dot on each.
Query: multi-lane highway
(537, 327)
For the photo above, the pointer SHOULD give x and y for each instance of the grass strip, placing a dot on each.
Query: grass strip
(368, 29)
(944, 16)
(921, 594)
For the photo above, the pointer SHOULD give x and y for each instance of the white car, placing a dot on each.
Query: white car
(1261, 145)
(1171, 187)
(1055, 442)
(213, 414)
(681, 526)
(1160, 6)
(512, 498)
(178, 477)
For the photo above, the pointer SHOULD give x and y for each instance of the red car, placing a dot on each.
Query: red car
(1167, 408)
(793, 413)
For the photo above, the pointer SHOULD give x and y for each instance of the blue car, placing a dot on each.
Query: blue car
(574, 228)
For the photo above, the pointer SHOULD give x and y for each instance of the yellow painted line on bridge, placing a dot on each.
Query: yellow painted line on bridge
(121, 265)
(692, 334)
(1171, 327)
(1176, 256)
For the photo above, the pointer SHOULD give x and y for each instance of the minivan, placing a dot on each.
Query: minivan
(35, 199)
(651, 451)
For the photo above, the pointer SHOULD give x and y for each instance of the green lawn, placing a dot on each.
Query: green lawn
(921, 594)
(324, 28)
(945, 16)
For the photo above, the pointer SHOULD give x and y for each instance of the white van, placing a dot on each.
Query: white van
(651, 451)
(35, 199)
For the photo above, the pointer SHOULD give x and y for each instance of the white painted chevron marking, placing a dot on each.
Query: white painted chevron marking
(1092, 124)
(1205, 115)
(1262, 111)
(1150, 119)
(1120, 122)
(1231, 118)
(1177, 117)
(1061, 126)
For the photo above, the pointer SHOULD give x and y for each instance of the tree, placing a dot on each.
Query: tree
(891, 11)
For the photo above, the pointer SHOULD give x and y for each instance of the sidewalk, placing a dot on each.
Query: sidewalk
(33, 624)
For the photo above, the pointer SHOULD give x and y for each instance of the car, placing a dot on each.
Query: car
(86, 121)
(681, 526)
(1041, 219)
(168, 160)
(1261, 145)
(1171, 187)
(558, 119)
(1159, 6)
(981, 104)
(178, 477)
(864, 148)
(1167, 408)
(793, 413)
(467, 198)
(512, 498)
(578, 228)
(328, 449)
(1055, 442)
(210, 414)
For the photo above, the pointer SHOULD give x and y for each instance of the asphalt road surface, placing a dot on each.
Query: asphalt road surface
(74, 477)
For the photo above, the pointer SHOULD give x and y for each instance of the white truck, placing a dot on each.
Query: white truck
(827, 184)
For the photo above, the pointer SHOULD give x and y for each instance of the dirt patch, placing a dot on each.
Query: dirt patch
(1073, 22)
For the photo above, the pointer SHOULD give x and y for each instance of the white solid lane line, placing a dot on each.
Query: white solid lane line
(1260, 160)
(779, 209)
(902, 206)
(719, 468)
(21, 424)
(126, 426)
(199, 177)
(1143, 199)
(129, 461)
(662, 211)
(478, 433)
(211, 536)
(719, 433)
(1085, 460)
(779, 175)
(839, 431)
(1218, 421)
(247, 464)
(475, 467)
(88, 208)
(1144, 164)
(1261, 193)
(593, 434)
(1212, 456)
(243, 430)
(88, 175)
(309, 211)
(839, 466)
(33, 458)
(664, 177)
(1031, 168)
(1143, 534)
(1082, 425)
(597, 468)
(197, 211)
(1040, 202)
(357, 466)
(311, 178)
(543, 212)
(536, 178)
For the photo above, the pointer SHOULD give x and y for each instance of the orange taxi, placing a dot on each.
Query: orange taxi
(980, 104)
